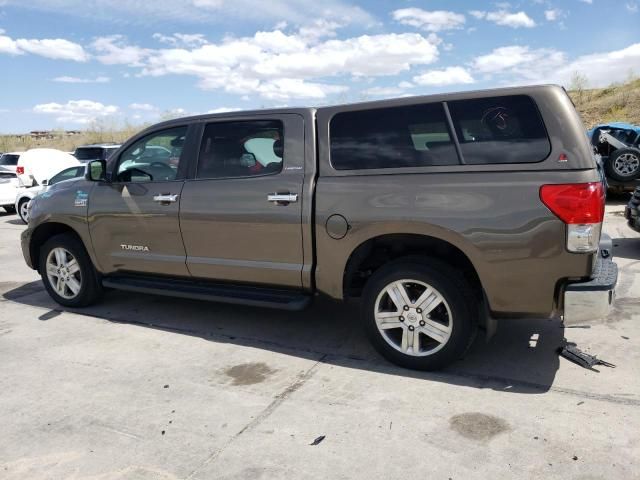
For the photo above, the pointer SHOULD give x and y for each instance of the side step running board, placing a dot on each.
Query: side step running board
(198, 290)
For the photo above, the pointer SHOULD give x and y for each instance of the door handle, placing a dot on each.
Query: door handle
(282, 197)
(166, 198)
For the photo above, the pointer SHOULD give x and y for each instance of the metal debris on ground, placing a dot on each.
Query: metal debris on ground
(317, 440)
(571, 352)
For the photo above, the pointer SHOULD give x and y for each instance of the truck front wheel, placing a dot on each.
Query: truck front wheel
(67, 272)
(419, 314)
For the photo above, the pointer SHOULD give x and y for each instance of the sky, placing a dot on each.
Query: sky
(74, 64)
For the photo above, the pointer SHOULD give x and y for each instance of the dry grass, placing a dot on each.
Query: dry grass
(613, 103)
(618, 102)
(95, 134)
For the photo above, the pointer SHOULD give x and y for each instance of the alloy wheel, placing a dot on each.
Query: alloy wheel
(63, 273)
(627, 164)
(413, 317)
(24, 211)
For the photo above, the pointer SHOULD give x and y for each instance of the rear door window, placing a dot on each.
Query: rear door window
(241, 149)
(500, 130)
(394, 137)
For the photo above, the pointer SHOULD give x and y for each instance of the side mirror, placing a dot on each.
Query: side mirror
(45, 183)
(96, 171)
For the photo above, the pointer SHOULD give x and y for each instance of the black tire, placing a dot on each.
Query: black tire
(90, 286)
(456, 291)
(630, 155)
(21, 203)
(10, 209)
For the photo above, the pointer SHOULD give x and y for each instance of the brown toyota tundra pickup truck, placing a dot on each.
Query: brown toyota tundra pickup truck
(439, 214)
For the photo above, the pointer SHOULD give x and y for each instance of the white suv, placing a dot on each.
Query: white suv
(8, 180)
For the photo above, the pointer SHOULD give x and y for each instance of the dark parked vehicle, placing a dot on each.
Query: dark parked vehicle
(632, 211)
(618, 144)
(100, 151)
(439, 213)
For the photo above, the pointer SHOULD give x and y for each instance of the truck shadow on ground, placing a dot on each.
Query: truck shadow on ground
(521, 358)
(626, 248)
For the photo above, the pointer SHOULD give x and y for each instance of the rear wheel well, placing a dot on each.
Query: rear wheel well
(43, 233)
(377, 251)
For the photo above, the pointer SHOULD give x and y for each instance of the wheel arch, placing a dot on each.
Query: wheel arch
(44, 232)
(378, 250)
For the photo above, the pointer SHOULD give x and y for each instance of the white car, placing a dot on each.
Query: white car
(9, 161)
(25, 195)
(8, 188)
(33, 167)
(38, 164)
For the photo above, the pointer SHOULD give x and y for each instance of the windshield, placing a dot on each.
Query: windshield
(9, 160)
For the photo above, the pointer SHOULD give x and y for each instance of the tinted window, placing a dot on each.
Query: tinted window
(88, 153)
(500, 130)
(9, 160)
(153, 158)
(67, 174)
(241, 149)
(412, 136)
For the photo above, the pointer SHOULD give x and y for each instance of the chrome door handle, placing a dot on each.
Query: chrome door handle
(166, 198)
(283, 197)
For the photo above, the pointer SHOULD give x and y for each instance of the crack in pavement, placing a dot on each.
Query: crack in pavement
(264, 414)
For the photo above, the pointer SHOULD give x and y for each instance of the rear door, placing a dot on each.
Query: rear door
(241, 213)
(133, 219)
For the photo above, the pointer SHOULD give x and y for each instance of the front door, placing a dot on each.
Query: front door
(241, 213)
(134, 219)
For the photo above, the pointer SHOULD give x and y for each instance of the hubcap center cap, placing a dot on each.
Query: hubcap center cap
(413, 316)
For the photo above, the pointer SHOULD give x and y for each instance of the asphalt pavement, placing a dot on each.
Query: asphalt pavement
(146, 387)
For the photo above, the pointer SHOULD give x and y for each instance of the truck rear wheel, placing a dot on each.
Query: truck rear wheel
(419, 314)
(67, 272)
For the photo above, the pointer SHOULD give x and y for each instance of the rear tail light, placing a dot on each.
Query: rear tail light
(581, 207)
(20, 170)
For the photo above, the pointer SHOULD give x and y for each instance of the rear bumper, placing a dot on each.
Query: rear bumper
(592, 300)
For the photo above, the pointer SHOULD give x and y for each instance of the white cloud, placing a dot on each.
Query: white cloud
(278, 65)
(513, 20)
(285, 88)
(518, 60)
(113, 50)
(601, 69)
(505, 18)
(448, 76)
(518, 64)
(431, 21)
(553, 14)
(632, 7)
(223, 110)
(55, 48)
(145, 107)
(384, 91)
(587, 1)
(76, 111)
(181, 39)
(67, 79)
